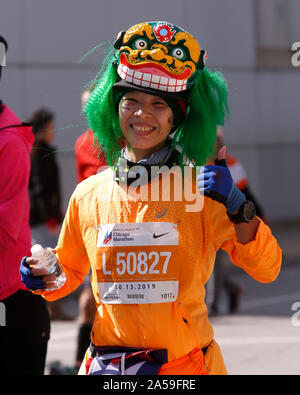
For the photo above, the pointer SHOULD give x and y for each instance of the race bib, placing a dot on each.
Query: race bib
(141, 272)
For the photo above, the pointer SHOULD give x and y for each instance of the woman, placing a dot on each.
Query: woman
(151, 252)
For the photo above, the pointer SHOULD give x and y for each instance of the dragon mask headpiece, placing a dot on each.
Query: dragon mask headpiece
(159, 55)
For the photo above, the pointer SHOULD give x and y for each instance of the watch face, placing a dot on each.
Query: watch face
(249, 211)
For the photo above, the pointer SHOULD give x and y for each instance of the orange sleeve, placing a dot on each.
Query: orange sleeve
(71, 253)
(260, 258)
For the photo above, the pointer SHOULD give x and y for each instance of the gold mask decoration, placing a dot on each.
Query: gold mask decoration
(159, 55)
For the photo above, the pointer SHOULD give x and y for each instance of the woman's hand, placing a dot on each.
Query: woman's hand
(36, 278)
(216, 182)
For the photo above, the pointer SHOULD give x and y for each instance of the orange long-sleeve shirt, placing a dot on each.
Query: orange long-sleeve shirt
(151, 258)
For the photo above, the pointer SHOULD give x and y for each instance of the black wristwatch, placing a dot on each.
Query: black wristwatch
(246, 213)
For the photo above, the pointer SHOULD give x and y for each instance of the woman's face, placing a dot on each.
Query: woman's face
(146, 121)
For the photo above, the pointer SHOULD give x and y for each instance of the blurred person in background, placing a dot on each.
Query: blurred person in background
(44, 184)
(223, 274)
(45, 189)
(88, 155)
(24, 336)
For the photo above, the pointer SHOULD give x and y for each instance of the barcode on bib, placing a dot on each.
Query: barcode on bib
(111, 297)
(135, 296)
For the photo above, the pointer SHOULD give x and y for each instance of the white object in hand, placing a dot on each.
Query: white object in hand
(47, 260)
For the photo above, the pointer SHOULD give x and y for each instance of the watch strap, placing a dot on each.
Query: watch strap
(240, 216)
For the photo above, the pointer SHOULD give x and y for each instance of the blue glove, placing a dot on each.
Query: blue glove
(31, 282)
(215, 181)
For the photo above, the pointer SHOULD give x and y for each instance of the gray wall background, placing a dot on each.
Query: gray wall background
(47, 39)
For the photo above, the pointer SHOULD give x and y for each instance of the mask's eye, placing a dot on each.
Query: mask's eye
(140, 44)
(178, 53)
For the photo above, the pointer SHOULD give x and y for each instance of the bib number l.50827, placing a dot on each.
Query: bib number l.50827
(139, 263)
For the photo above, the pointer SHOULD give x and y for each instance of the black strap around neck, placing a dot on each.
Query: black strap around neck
(127, 172)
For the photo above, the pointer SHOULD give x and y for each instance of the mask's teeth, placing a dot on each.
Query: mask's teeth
(151, 81)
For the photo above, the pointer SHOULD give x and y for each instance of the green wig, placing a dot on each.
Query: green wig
(207, 109)
(101, 113)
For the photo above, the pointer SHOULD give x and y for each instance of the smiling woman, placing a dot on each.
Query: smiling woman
(146, 122)
(151, 257)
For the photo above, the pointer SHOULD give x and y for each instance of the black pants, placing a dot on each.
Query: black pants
(24, 338)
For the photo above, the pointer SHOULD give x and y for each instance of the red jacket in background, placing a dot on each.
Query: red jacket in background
(237, 171)
(15, 240)
(88, 156)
